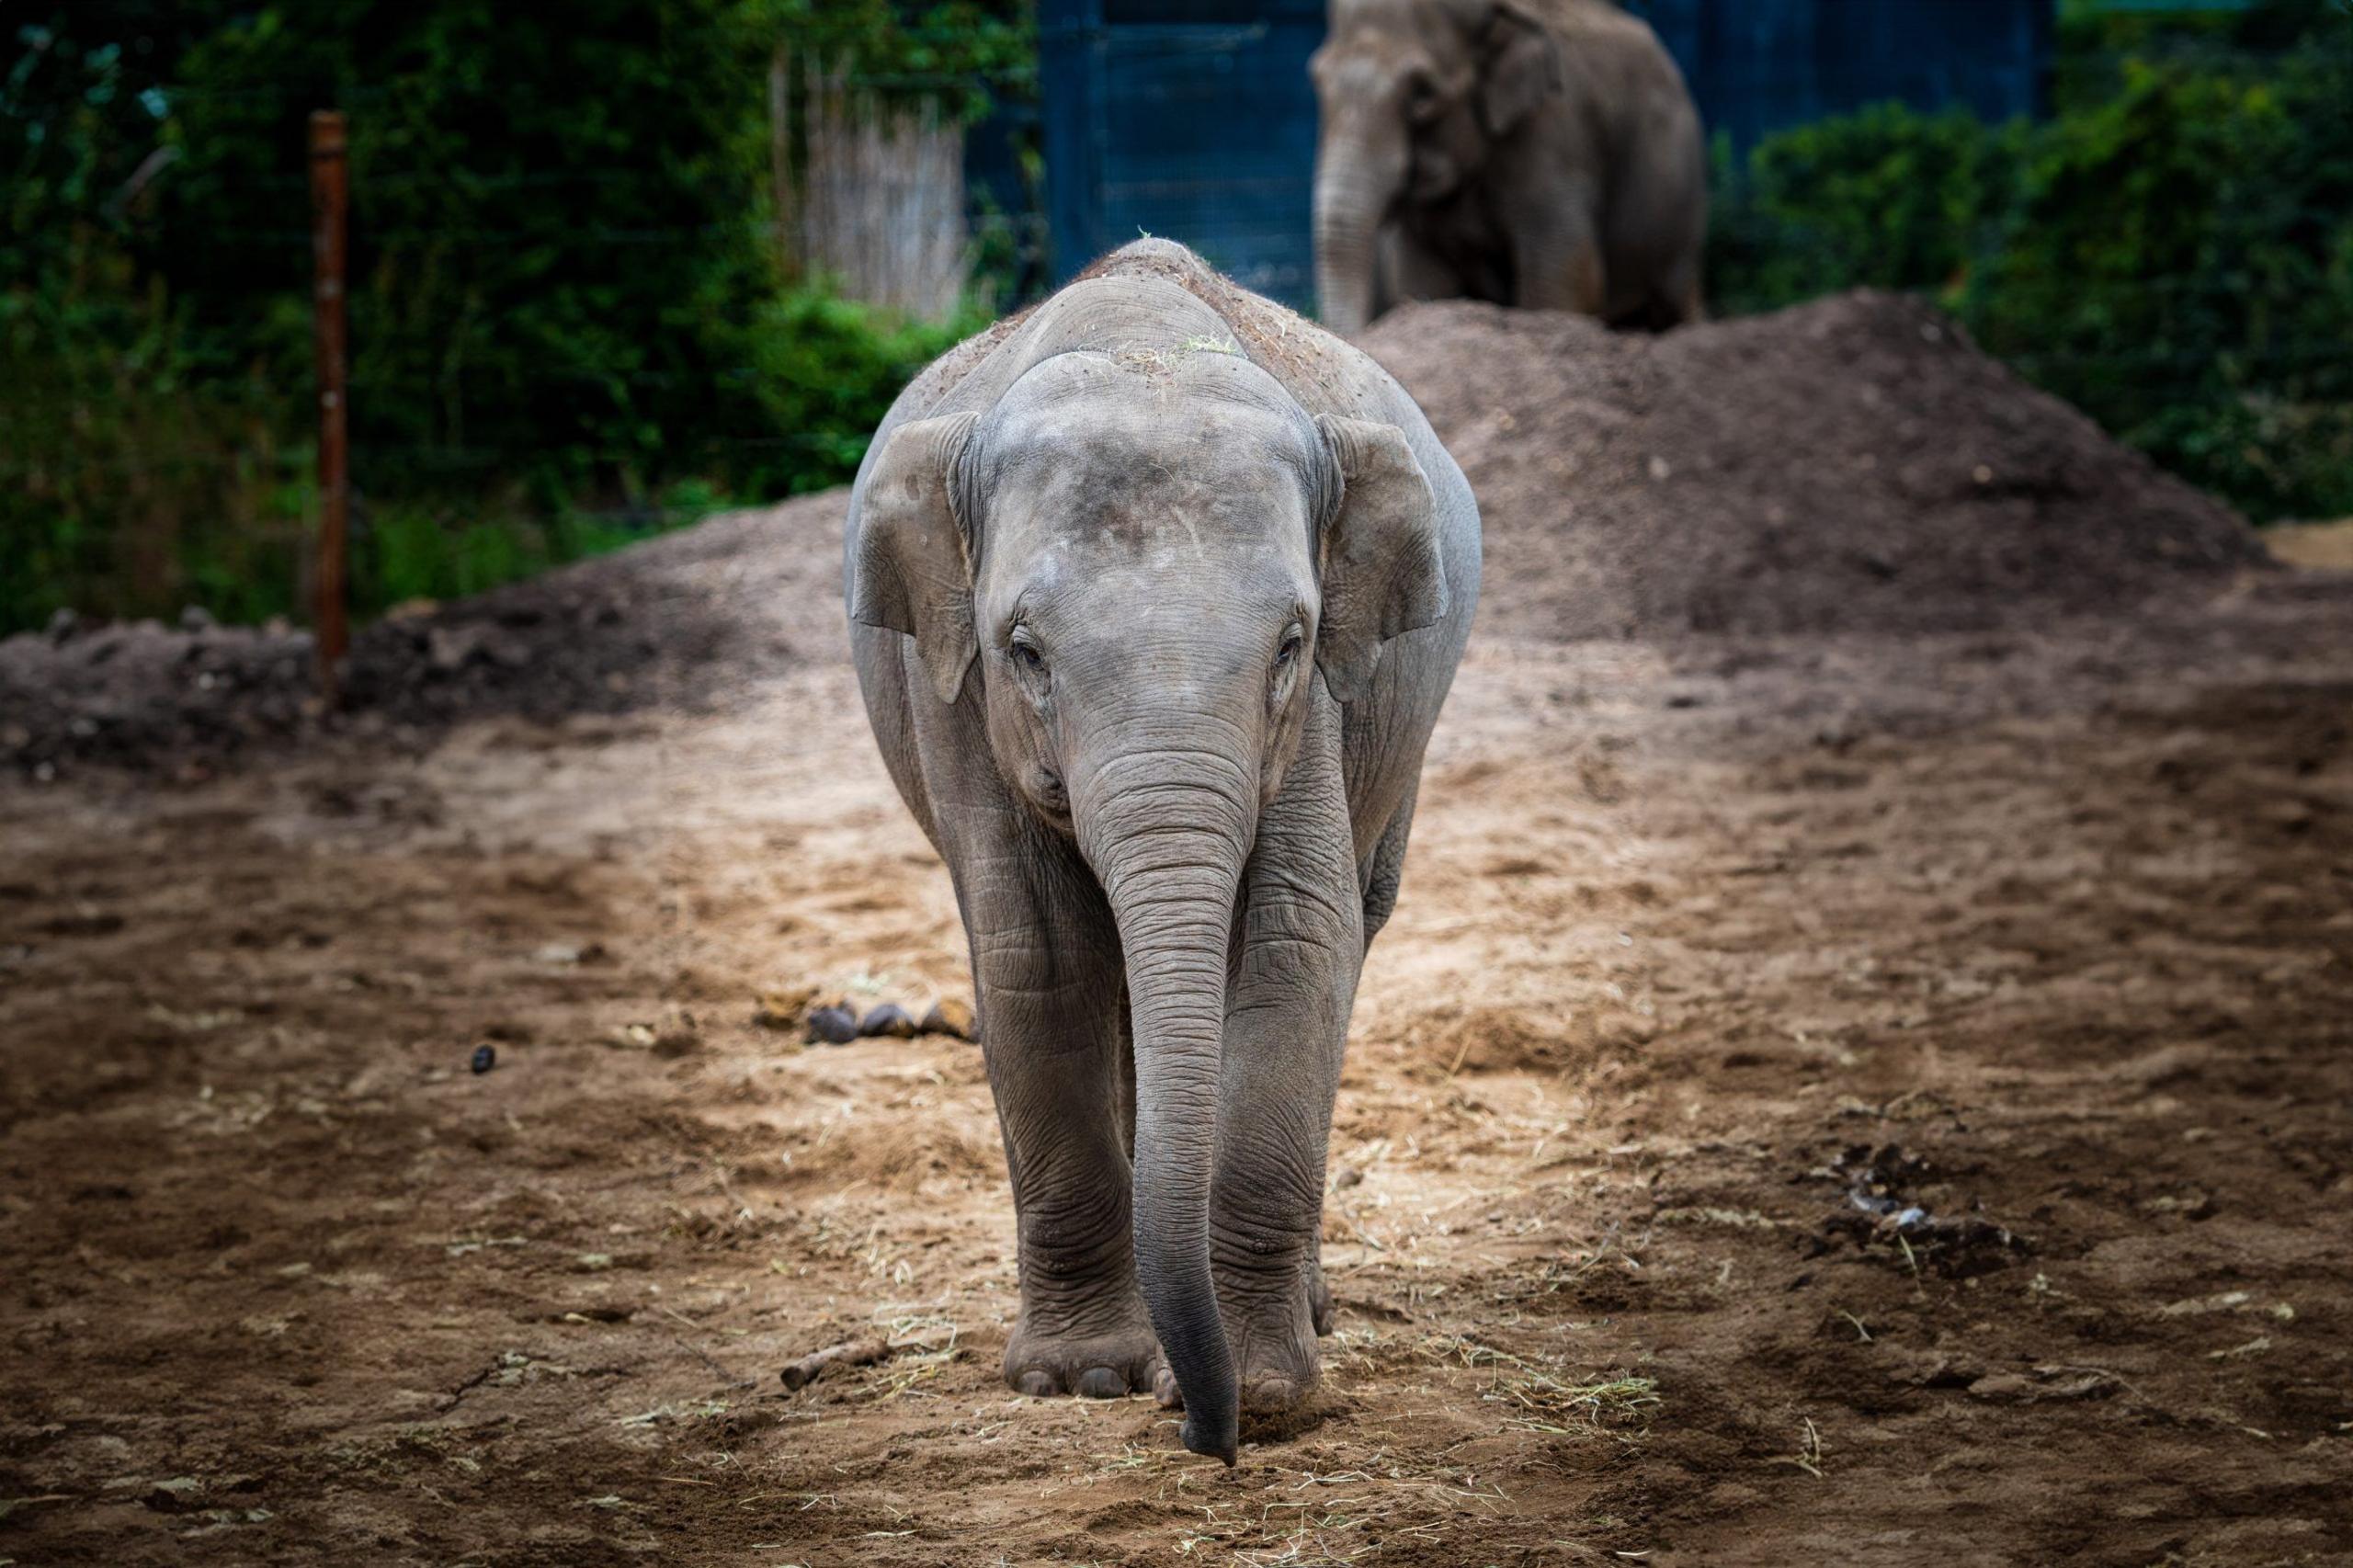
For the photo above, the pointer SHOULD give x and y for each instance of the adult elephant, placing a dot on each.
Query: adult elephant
(1156, 592)
(1535, 153)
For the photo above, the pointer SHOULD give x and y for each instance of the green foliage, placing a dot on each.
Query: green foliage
(2180, 262)
(2174, 253)
(114, 467)
(966, 53)
(554, 247)
(827, 370)
(1886, 198)
(566, 321)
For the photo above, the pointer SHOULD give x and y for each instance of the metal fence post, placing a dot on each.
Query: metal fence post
(328, 203)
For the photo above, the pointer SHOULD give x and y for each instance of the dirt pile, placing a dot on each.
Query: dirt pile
(1853, 464)
(677, 621)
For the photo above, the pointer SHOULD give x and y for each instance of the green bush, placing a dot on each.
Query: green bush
(566, 321)
(1887, 198)
(828, 369)
(2179, 261)
(2173, 253)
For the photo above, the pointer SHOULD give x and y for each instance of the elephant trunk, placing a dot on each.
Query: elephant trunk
(1166, 829)
(1356, 185)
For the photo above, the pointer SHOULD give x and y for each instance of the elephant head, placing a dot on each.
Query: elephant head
(1412, 95)
(1137, 566)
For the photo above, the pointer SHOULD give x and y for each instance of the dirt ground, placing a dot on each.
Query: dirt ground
(1836, 1099)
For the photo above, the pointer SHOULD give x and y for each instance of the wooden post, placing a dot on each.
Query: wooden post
(328, 193)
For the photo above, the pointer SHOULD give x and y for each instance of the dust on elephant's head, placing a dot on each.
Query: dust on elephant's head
(1138, 554)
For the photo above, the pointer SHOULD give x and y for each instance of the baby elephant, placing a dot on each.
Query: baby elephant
(1156, 592)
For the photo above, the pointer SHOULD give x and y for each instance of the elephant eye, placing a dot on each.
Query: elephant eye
(1287, 655)
(1024, 652)
(1421, 95)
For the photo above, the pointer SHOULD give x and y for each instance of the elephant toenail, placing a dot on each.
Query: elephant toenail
(1101, 1382)
(1164, 1389)
(1038, 1384)
(1271, 1393)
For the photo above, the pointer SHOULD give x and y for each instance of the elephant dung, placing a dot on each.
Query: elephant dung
(800, 1374)
(832, 1026)
(889, 1021)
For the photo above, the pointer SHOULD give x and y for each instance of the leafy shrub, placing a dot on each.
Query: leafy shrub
(2180, 261)
(1887, 198)
(567, 326)
(2173, 253)
(828, 369)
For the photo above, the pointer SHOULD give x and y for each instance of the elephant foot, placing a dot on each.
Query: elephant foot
(1277, 1365)
(1268, 1385)
(1278, 1373)
(1109, 1365)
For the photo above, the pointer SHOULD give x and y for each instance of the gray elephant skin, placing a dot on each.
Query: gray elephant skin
(1156, 592)
(1544, 154)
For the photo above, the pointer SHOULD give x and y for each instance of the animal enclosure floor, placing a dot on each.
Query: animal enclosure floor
(1819, 1101)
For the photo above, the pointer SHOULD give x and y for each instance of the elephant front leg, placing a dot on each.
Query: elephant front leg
(1052, 1029)
(1411, 270)
(1286, 1031)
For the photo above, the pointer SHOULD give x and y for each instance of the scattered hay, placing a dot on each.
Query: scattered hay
(1570, 1041)
(1809, 1455)
(1544, 1401)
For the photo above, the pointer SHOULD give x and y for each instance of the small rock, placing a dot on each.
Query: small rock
(2046, 1384)
(888, 1021)
(196, 618)
(450, 648)
(64, 625)
(2287, 815)
(174, 1495)
(485, 1058)
(950, 1016)
(1928, 1368)
(832, 1026)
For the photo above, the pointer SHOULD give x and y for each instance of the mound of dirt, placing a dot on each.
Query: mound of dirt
(1855, 464)
(677, 620)
(148, 698)
(1852, 465)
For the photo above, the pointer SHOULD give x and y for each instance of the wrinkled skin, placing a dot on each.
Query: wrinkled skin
(1153, 604)
(1542, 153)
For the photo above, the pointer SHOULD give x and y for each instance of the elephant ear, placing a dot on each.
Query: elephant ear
(912, 573)
(1382, 572)
(1521, 69)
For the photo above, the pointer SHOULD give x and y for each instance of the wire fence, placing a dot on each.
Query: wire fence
(441, 455)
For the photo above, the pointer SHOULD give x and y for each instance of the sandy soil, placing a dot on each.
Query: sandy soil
(1820, 1100)
(2327, 546)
